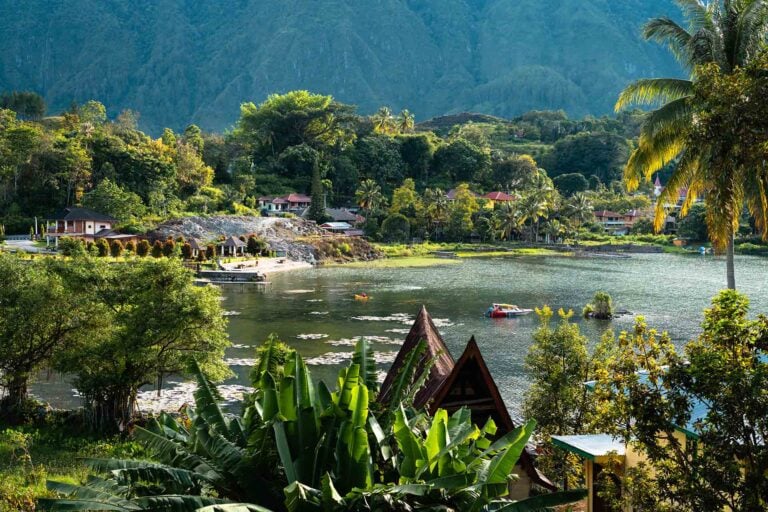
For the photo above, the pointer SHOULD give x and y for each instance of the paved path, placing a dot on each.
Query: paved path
(22, 245)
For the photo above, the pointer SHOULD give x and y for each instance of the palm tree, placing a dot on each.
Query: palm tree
(509, 219)
(383, 122)
(579, 209)
(436, 206)
(369, 196)
(728, 34)
(553, 230)
(534, 207)
(405, 121)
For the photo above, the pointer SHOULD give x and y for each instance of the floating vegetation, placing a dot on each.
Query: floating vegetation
(343, 357)
(173, 398)
(403, 318)
(240, 361)
(351, 342)
(311, 336)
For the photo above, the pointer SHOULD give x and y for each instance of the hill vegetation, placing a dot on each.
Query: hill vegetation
(181, 62)
(295, 142)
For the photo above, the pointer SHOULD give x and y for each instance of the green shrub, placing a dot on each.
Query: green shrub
(143, 248)
(103, 247)
(601, 307)
(130, 247)
(71, 246)
(157, 249)
(186, 251)
(169, 248)
(116, 248)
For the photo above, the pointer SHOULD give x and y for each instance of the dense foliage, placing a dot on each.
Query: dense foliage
(323, 449)
(649, 395)
(113, 327)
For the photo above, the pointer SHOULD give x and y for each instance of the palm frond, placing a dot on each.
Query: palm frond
(653, 91)
(667, 32)
(698, 14)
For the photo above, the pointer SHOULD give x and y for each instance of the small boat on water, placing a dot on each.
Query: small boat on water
(506, 311)
(362, 297)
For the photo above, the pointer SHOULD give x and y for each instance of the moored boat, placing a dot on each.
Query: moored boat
(506, 311)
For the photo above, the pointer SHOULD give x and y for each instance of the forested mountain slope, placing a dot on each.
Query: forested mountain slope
(183, 61)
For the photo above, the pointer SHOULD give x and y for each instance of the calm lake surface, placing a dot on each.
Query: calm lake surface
(314, 310)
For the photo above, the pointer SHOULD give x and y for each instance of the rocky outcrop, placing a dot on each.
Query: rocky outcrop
(301, 240)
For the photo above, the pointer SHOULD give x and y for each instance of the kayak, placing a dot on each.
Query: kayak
(362, 297)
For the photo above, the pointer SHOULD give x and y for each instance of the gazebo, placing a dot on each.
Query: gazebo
(233, 247)
(197, 246)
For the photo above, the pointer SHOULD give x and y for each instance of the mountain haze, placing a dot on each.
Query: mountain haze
(183, 61)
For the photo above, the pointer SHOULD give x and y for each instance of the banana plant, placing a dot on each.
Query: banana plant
(208, 457)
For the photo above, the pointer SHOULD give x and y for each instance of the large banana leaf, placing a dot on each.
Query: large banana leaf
(131, 472)
(353, 454)
(233, 507)
(411, 450)
(363, 356)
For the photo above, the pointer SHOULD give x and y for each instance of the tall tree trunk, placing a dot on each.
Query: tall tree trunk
(730, 270)
(16, 393)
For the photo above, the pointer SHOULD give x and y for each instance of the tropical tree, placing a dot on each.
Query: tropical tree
(533, 207)
(727, 34)
(383, 121)
(405, 121)
(369, 196)
(152, 318)
(579, 209)
(649, 394)
(37, 318)
(509, 219)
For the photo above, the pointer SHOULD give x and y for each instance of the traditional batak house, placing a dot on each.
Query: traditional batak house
(468, 383)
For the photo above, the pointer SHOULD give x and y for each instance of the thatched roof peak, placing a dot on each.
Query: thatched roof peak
(423, 328)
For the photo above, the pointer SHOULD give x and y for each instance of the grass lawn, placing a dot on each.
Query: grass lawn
(401, 262)
(30, 456)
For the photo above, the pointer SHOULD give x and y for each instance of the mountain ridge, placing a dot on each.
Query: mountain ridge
(178, 62)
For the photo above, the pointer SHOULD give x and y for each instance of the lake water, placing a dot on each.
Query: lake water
(314, 310)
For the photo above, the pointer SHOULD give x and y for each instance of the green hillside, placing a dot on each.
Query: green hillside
(178, 61)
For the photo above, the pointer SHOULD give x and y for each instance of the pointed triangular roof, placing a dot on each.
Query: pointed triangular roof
(233, 242)
(423, 329)
(471, 385)
(196, 244)
(658, 182)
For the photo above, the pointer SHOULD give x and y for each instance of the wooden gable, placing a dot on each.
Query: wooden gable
(471, 385)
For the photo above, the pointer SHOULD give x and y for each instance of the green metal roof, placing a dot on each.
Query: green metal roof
(591, 446)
